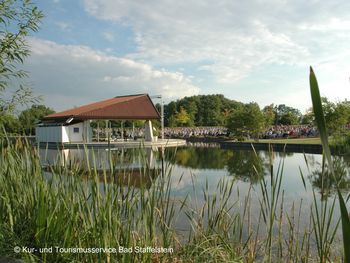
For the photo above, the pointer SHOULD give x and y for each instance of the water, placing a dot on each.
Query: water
(203, 166)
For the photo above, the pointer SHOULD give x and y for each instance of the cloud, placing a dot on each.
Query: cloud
(63, 26)
(230, 39)
(70, 75)
(108, 36)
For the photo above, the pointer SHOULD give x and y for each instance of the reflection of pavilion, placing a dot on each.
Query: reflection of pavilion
(132, 167)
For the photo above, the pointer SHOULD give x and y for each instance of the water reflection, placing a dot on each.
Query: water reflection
(325, 183)
(199, 157)
(248, 166)
(132, 167)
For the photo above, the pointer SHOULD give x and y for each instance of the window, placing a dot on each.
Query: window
(76, 129)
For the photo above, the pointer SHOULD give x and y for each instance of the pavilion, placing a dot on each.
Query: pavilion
(73, 125)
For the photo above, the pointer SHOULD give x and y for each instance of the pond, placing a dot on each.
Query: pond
(198, 171)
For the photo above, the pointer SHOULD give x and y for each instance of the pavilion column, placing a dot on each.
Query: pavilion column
(122, 130)
(106, 130)
(148, 131)
(98, 132)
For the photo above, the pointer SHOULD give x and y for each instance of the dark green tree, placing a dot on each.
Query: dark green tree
(289, 118)
(308, 117)
(28, 118)
(203, 110)
(336, 114)
(247, 120)
(287, 115)
(10, 123)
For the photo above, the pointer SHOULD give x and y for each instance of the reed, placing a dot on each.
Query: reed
(77, 205)
(321, 124)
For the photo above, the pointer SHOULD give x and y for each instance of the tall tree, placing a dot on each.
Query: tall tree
(287, 115)
(269, 114)
(336, 114)
(17, 19)
(182, 118)
(247, 120)
(29, 117)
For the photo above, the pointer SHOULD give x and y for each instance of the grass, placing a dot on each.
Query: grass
(290, 141)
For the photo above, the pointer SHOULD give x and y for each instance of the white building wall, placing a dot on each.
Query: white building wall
(49, 134)
(64, 133)
(74, 136)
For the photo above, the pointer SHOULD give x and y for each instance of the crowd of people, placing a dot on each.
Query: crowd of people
(273, 132)
(186, 132)
(118, 133)
(290, 131)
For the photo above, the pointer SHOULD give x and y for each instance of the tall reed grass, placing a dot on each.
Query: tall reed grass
(75, 206)
(320, 120)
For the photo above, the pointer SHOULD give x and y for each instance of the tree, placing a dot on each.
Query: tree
(182, 118)
(289, 118)
(17, 19)
(247, 120)
(169, 112)
(203, 110)
(336, 114)
(308, 117)
(287, 115)
(28, 118)
(10, 123)
(269, 114)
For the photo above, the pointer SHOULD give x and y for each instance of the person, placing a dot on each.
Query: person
(125, 135)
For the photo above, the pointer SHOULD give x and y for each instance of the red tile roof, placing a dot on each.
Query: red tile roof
(133, 107)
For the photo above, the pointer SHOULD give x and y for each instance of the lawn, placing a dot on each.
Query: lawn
(290, 141)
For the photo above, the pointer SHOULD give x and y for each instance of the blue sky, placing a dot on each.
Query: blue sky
(255, 50)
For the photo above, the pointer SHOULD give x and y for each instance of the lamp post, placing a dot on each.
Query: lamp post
(161, 113)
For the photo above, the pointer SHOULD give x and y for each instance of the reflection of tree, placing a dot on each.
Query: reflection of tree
(244, 165)
(326, 183)
(247, 166)
(200, 158)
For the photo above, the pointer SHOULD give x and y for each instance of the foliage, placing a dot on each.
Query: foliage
(270, 114)
(202, 110)
(181, 118)
(29, 117)
(247, 120)
(286, 115)
(308, 118)
(17, 19)
(9, 122)
(321, 123)
(79, 207)
(289, 119)
(336, 114)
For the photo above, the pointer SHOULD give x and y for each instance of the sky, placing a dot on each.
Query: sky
(254, 50)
